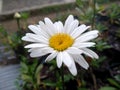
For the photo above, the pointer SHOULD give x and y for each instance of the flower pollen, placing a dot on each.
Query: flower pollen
(61, 41)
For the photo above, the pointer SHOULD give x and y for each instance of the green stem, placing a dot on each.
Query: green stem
(94, 12)
(62, 76)
(94, 78)
(18, 23)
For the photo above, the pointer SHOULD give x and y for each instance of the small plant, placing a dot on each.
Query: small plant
(97, 63)
(102, 45)
(30, 74)
(114, 13)
(85, 11)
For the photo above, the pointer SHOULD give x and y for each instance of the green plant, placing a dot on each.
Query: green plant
(103, 1)
(102, 45)
(86, 14)
(101, 27)
(87, 10)
(97, 63)
(118, 33)
(107, 88)
(114, 82)
(14, 39)
(114, 12)
(24, 15)
(30, 74)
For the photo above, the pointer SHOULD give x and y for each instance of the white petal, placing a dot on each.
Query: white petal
(81, 61)
(68, 21)
(73, 69)
(90, 53)
(50, 26)
(72, 26)
(78, 31)
(37, 38)
(59, 26)
(46, 29)
(41, 52)
(88, 36)
(67, 59)
(43, 32)
(34, 29)
(37, 30)
(31, 49)
(25, 38)
(73, 50)
(51, 56)
(36, 45)
(83, 45)
(59, 59)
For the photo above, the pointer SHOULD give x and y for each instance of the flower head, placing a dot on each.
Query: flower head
(17, 15)
(65, 42)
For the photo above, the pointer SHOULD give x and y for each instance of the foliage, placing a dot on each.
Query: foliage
(107, 88)
(3, 33)
(101, 27)
(114, 82)
(114, 12)
(97, 63)
(102, 45)
(30, 74)
(85, 10)
(25, 15)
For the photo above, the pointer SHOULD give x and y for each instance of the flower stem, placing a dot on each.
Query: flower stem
(18, 23)
(94, 12)
(62, 76)
(94, 78)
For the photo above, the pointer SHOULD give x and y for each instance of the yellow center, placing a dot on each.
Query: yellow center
(61, 41)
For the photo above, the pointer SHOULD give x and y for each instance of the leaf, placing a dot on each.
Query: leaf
(38, 70)
(26, 78)
(113, 82)
(24, 67)
(82, 89)
(37, 73)
(50, 84)
(107, 88)
(79, 2)
(117, 77)
(3, 31)
(32, 67)
(25, 15)
(67, 77)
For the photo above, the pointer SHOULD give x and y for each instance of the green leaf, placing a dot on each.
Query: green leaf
(82, 89)
(67, 77)
(79, 2)
(33, 66)
(97, 63)
(25, 15)
(26, 78)
(3, 32)
(24, 67)
(37, 74)
(38, 70)
(107, 88)
(113, 82)
(117, 77)
(50, 84)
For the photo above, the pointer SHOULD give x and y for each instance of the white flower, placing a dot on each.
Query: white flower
(66, 42)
